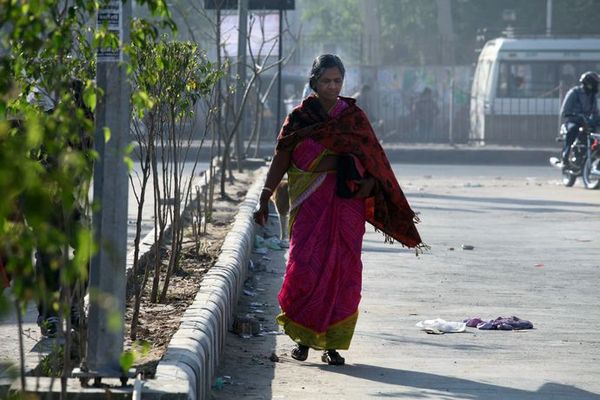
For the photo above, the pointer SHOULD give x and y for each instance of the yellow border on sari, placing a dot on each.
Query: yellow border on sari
(300, 181)
(337, 336)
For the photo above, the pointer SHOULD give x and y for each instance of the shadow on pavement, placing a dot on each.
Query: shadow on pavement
(504, 200)
(455, 387)
(450, 209)
(246, 369)
(397, 339)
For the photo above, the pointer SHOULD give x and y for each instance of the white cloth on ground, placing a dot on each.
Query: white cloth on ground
(442, 325)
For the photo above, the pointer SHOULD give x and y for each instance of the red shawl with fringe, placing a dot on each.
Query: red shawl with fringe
(387, 209)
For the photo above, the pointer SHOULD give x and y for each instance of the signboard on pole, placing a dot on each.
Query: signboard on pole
(110, 16)
(252, 4)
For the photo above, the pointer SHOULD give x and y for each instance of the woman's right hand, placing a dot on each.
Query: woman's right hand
(261, 214)
(279, 165)
(365, 187)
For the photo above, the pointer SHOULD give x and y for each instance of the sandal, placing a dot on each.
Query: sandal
(300, 352)
(332, 357)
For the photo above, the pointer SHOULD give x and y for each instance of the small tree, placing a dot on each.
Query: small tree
(174, 76)
(47, 99)
(257, 61)
(234, 112)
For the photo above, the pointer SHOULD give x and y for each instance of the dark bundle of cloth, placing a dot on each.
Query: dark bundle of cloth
(347, 173)
(500, 323)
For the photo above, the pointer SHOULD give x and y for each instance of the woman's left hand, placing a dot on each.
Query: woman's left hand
(365, 187)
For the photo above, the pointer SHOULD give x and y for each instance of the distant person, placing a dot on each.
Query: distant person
(518, 86)
(339, 177)
(579, 108)
(425, 110)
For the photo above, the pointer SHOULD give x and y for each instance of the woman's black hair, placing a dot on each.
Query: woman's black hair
(321, 63)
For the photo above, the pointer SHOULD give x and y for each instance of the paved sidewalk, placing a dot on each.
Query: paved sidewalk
(33, 345)
(536, 255)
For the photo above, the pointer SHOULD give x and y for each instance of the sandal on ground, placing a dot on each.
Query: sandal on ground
(332, 357)
(300, 352)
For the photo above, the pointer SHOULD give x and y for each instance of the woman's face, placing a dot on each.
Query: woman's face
(329, 84)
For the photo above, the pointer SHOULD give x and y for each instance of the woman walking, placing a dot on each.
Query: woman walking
(339, 177)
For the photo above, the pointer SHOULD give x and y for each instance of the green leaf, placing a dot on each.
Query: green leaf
(141, 102)
(129, 149)
(106, 131)
(34, 131)
(89, 95)
(115, 321)
(129, 162)
(85, 250)
(143, 347)
(126, 360)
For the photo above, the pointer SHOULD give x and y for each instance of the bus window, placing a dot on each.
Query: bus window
(520, 80)
(582, 67)
(503, 75)
(568, 74)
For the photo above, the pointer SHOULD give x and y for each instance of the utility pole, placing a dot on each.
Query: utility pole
(548, 17)
(108, 267)
(241, 72)
(446, 30)
(371, 50)
(279, 118)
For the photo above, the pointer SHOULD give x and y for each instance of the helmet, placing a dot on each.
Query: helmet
(589, 80)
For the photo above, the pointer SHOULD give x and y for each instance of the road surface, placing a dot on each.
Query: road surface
(536, 255)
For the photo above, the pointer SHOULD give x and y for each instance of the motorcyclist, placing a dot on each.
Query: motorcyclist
(579, 104)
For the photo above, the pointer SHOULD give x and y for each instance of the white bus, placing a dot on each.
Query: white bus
(519, 84)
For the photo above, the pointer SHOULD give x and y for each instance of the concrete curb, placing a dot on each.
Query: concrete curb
(192, 357)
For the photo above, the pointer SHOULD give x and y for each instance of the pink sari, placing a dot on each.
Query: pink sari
(322, 284)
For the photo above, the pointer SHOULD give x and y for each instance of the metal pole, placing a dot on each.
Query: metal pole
(107, 273)
(279, 100)
(451, 108)
(219, 118)
(370, 48)
(241, 71)
(548, 17)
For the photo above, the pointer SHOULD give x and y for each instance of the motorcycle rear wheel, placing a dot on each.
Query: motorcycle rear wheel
(568, 179)
(590, 181)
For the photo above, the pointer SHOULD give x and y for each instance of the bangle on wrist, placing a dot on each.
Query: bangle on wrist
(267, 189)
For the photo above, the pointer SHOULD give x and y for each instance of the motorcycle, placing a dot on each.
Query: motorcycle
(583, 160)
